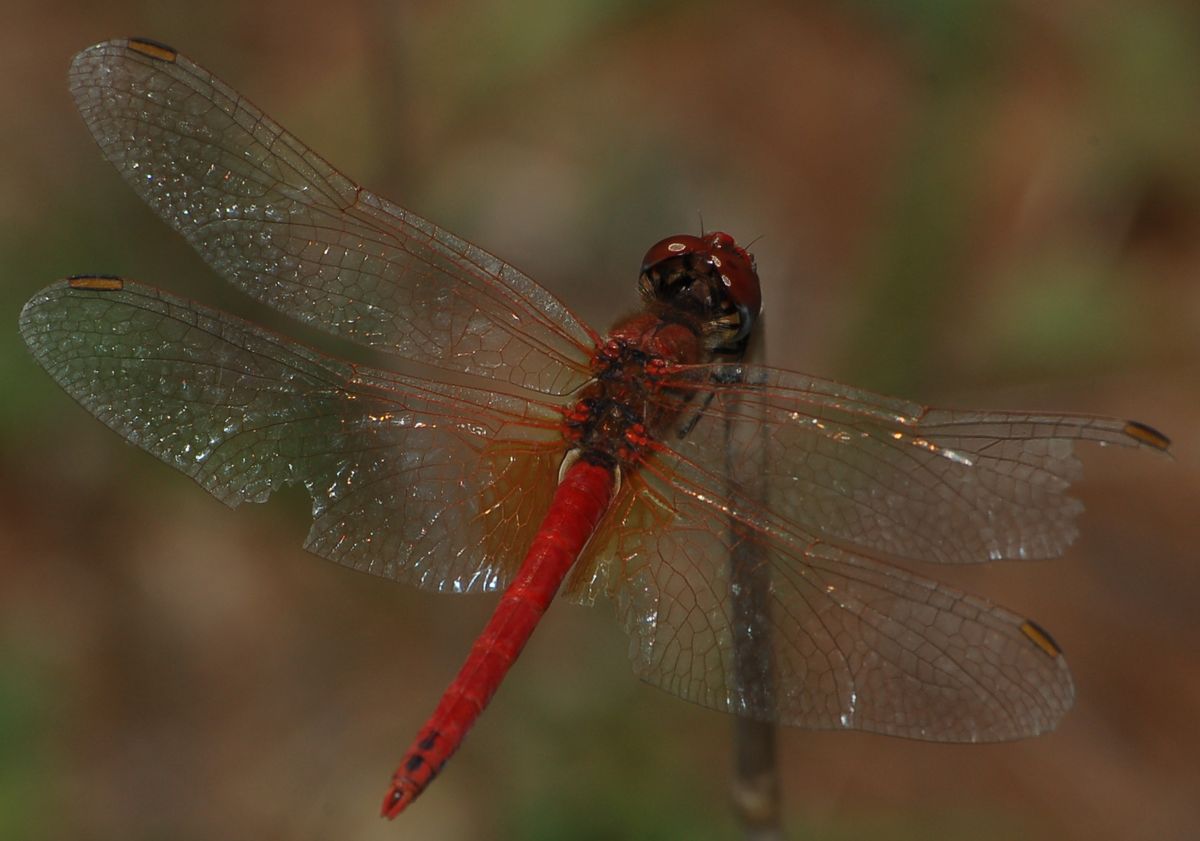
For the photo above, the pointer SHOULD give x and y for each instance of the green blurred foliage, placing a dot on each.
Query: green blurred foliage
(27, 756)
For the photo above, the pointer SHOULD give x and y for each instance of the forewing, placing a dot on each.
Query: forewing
(888, 477)
(279, 222)
(411, 480)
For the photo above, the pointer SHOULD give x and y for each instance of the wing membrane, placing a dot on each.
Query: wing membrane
(850, 643)
(279, 222)
(410, 480)
(887, 477)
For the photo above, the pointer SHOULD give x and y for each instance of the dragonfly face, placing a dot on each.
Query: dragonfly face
(711, 279)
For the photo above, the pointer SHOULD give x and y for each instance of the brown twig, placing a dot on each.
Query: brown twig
(755, 787)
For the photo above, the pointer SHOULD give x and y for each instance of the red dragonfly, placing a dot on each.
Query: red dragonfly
(745, 521)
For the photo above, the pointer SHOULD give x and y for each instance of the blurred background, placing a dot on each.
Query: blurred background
(989, 203)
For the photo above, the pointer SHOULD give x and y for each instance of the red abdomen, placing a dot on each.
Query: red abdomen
(579, 502)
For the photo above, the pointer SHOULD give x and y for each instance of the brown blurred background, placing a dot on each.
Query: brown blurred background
(967, 202)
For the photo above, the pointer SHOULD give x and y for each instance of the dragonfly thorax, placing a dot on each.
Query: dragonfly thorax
(624, 407)
(607, 430)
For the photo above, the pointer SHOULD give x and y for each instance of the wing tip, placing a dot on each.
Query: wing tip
(1145, 434)
(96, 282)
(150, 48)
(1040, 637)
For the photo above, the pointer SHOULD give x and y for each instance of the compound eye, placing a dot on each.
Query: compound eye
(738, 274)
(671, 247)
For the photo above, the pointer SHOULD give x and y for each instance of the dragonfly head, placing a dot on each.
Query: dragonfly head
(711, 278)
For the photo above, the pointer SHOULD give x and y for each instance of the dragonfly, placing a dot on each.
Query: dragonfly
(752, 527)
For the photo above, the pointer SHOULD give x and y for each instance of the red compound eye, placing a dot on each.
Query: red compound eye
(671, 247)
(738, 271)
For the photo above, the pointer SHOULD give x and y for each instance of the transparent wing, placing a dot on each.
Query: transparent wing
(888, 477)
(416, 481)
(751, 558)
(279, 222)
(845, 642)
